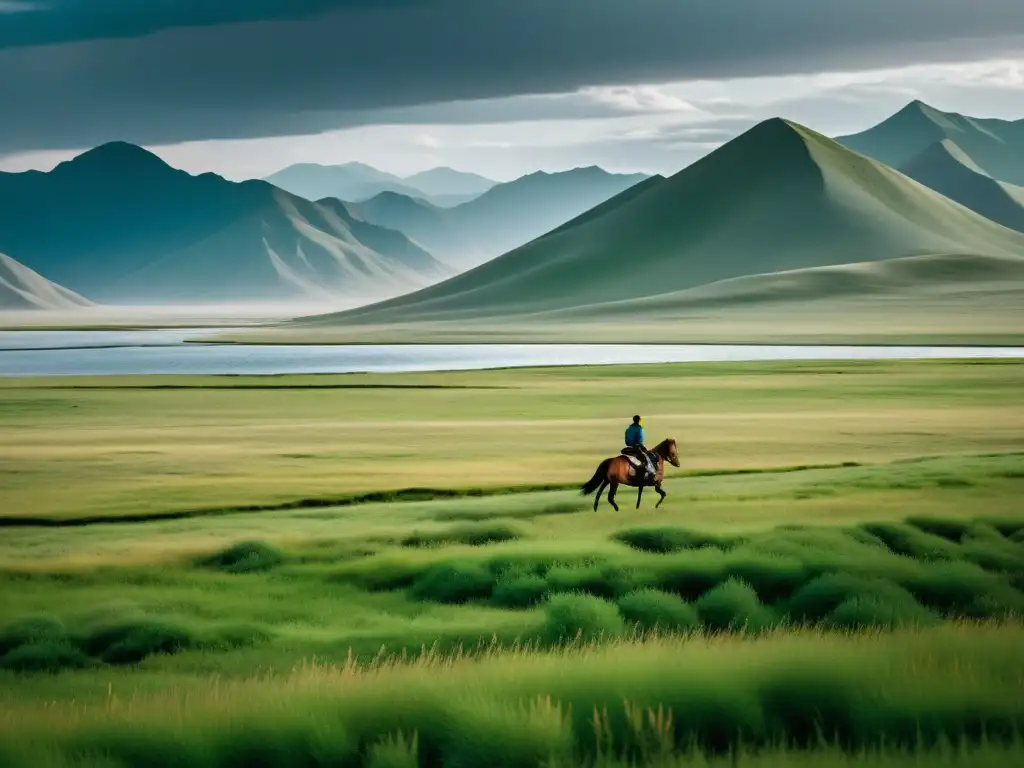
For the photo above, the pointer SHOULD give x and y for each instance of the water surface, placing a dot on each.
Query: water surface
(61, 353)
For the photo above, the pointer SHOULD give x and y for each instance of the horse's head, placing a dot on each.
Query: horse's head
(667, 450)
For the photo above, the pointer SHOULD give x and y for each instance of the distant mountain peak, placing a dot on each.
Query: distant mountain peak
(115, 155)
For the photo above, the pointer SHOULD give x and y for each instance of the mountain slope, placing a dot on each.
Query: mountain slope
(779, 197)
(948, 170)
(996, 146)
(118, 224)
(447, 182)
(21, 288)
(503, 218)
(350, 181)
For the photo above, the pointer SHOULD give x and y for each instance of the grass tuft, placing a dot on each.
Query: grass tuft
(244, 557)
(455, 582)
(579, 617)
(733, 605)
(474, 535)
(667, 539)
(652, 609)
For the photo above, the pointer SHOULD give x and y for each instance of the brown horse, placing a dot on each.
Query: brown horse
(616, 472)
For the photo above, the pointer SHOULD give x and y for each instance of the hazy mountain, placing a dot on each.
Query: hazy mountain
(503, 218)
(447, 183)
(120, 225)
(21, 288)
(778, 198)
(352, 181)
(995, 146)
(948, 170)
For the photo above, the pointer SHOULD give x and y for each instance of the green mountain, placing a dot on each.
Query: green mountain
(503, 218)
(948, 170)
(120, 225)
(780, 197)
(996, 146)
(21, 288)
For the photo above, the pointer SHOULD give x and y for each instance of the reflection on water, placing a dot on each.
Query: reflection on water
(54, 353)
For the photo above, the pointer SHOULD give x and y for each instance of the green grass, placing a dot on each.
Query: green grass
(837, 573)
(945, 689)
(144, 447)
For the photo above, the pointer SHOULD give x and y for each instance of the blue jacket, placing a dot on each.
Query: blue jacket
(635, 435)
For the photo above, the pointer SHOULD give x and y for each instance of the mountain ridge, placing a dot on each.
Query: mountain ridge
(778, 197)
(119, 224)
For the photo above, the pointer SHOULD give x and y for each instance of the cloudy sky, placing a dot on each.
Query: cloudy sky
(501, 87)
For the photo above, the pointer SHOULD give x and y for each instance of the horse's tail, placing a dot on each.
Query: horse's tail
(599, 477)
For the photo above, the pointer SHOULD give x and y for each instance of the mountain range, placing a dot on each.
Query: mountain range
(995, 146)
(21, 288)
(780, 198)
(357, 182)
(501, 219)
(117, 224)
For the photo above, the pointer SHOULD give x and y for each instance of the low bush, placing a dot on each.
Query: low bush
(454, 582)
(653, 609)
(878, 611)
(519, 590)
(131, 641)
(574, 616)
(244, 557)
(30, 630)
(667, 540)
(44, 656)
(820, 597)
(474, 535)
(904, 539)
(733, 605)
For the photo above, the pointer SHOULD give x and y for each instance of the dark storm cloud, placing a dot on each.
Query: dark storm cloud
(255, 70)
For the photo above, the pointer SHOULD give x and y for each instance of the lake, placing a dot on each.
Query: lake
(65, 353)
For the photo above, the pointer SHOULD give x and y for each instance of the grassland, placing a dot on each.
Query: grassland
(80, 447)
(770, 613)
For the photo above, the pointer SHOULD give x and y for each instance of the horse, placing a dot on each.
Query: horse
(616, 471)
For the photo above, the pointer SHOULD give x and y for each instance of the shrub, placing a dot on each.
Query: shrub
(474, 535)
(667, 540)
(244, 557)
(572, 616)
(520, 590)
(690, 576)
(733, 605)
(129, 642)
(903, 539)
(817, 599)
(951, 530)
(454, 583)
(29, 630)
(44, 656)
(876, 611)
(773, 578)
(605, 581)
(654, 609)
(952, 588)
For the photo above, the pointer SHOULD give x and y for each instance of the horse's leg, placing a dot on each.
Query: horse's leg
(611, 495)
(639, 493)
(661, 493)
(597, 499)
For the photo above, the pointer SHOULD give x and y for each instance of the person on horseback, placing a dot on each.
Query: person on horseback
(635, 441)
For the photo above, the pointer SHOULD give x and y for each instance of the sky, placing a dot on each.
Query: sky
(499, 87)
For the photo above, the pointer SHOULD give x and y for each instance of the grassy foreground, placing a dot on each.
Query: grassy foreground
(837, 576)
(951, 691)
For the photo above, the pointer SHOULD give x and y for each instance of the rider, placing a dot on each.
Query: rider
(635, 440)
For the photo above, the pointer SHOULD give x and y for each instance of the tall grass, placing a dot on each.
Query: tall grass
(639, 701)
